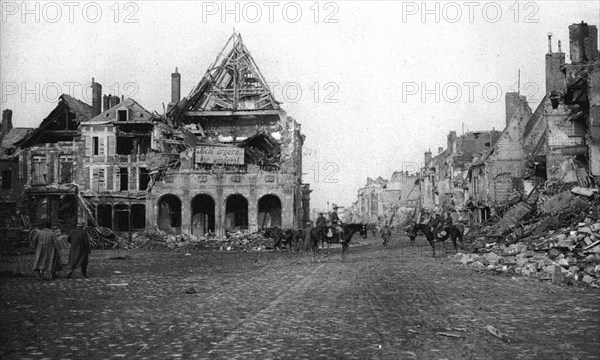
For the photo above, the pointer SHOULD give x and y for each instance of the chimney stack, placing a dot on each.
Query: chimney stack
(96, 98)
(559, 47)
(114, 100)
(440, 150)
(175, 87)
(6, 121)
(427, 157)
(583, 40)
(106, 102)
(549, 43)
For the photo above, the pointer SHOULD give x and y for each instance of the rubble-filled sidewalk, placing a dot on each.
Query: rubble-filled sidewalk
(554, 238)
(157, 240)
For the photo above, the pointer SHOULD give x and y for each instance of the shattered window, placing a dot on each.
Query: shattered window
(6, 179)
(65, 169)
(39, 169)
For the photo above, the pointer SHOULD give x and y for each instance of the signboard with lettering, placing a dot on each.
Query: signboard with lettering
(228, 155)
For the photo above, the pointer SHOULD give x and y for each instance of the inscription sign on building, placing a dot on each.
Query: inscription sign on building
(220, 155)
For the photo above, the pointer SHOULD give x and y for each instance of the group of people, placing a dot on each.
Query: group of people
(439, 225)
(47, 261)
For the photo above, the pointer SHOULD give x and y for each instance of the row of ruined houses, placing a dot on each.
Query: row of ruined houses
(480, 173)
(226, 157)
(386, 200)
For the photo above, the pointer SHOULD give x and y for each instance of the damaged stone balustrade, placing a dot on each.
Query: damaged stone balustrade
(556, 239)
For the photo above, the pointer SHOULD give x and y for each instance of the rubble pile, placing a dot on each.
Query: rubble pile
(240, 240)
(554, 238)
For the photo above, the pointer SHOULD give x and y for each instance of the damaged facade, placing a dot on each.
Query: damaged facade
(382, 199)
(559, 141)
(226, 157)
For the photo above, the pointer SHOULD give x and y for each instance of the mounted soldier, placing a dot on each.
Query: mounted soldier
(334, 223)
(436, 223)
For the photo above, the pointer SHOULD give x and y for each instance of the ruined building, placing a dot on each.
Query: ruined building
(380, 198)
(559, 141)
(242, 164)
(226, 157)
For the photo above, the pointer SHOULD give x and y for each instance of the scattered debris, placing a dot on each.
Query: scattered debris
(190, 290)
(497, 333)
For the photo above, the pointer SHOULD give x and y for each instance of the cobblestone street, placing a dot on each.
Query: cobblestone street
(397, 303)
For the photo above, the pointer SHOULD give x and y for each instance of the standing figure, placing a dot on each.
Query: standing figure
(47, 252)
(306, 234)
(80, 250)
(386, 234)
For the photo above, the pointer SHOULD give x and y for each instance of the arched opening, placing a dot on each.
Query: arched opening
(236, 212)
(203, 215)
(169, 214)
(269, 211)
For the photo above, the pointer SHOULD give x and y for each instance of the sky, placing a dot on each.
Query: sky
(374, 84)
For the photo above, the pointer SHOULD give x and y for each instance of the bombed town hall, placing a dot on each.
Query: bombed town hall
(225, 157)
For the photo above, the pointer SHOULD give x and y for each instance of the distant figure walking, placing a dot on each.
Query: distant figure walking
(80, 250)
(47, 252)
(386, 234)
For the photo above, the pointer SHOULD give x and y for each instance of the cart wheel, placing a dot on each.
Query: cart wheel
(94, 238)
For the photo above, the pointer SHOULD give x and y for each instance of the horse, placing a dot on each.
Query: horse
(288, 238)
(319, 234)
(453, 232)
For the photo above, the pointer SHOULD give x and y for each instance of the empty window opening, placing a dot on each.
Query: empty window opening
(65, 169)
(105, 215)
(122, 115)
(144, 179)
(236, 212)
(269, 211)
(39, 169)
(169, 214)
(124, 179)
(95, 146)
(121, 219)
(203, 215)
(6, 179)
(138, 216)
(125, 145)
(67, 211)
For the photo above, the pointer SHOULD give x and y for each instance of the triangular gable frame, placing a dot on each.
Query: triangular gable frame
(230, 80)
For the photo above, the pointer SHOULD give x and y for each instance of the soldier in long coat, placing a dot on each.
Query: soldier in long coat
(47, 253)
(80, 250)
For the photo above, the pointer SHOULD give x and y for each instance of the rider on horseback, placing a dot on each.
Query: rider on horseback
(436, 224)
(334, 223)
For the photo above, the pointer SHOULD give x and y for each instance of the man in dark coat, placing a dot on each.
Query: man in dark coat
(80, 250)
(321, 221)
(436, 223)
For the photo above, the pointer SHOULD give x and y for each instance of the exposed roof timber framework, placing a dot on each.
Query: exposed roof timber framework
(232, 83)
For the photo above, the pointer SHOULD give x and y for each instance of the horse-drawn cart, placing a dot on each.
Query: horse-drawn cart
(101, 237)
